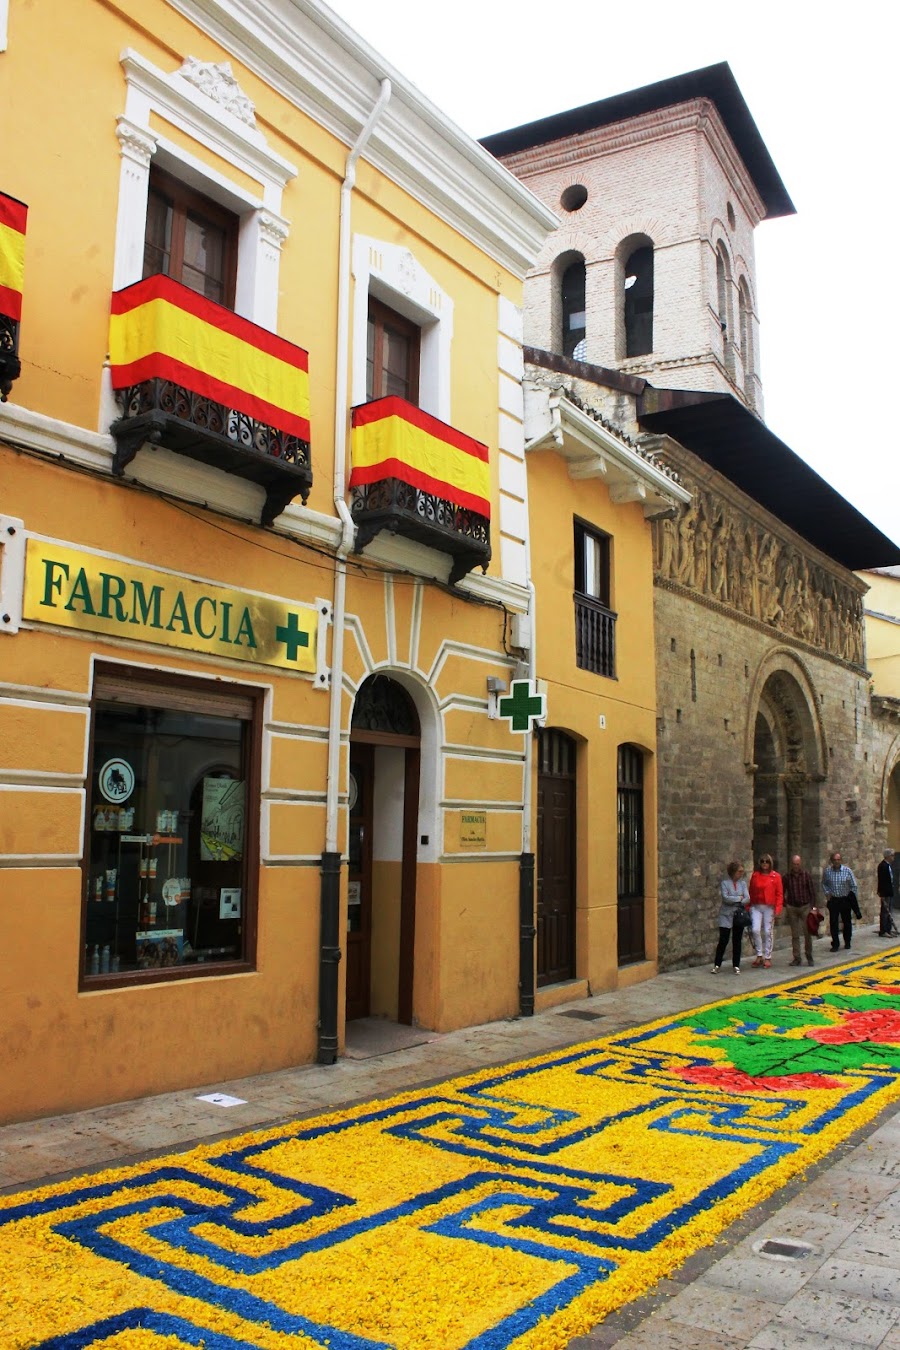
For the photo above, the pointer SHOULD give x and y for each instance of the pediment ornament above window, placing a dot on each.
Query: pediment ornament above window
(219, 84)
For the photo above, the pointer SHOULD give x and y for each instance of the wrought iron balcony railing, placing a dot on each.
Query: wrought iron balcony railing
(595, 637)
(415, 476)
(197, 379)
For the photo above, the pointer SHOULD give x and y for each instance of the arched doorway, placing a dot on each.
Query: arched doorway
(555, 857)
(383, 821)
(787, 766)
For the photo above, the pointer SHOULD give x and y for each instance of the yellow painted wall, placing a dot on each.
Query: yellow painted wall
(72, 218)
(577, 698)
(882, 620)
(61, 156)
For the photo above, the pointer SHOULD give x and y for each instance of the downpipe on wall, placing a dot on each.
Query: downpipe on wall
(330, 887)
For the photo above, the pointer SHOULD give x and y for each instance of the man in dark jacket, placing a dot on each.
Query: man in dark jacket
(799, 895)
(886, 894)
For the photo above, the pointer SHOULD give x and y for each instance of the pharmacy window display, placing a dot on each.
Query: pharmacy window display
(169, 885)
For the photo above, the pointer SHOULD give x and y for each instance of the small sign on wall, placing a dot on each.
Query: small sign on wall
(473, 829)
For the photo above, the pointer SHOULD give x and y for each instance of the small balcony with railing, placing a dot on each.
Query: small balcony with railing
(415, 476)
(195, 378)
(595, 636)
(13, 217)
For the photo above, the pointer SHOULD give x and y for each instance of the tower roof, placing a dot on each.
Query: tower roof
(731, 439)
(715, 83)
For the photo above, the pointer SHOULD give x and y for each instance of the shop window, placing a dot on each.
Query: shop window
(191, 239)
(392, 355)
(595, 623)
(171, 854)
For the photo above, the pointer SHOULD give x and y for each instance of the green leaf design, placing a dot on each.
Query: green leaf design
(775, 1056)
(773, 1012)
(860, 1002)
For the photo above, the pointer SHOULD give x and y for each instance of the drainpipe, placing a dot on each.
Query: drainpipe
(330, 886)
(527, 929)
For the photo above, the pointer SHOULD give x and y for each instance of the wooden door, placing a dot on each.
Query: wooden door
(359, 908)
(555, 858)
(630, 866)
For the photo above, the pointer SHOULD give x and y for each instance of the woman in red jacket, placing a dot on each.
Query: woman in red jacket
(766, 900)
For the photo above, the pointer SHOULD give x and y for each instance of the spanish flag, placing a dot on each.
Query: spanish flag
(13, 215)
(160, 329)
(393, 439)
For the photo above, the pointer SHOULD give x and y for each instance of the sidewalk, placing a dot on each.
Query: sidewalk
(843, 1291)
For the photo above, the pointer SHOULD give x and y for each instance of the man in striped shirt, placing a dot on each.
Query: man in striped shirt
(839, 884)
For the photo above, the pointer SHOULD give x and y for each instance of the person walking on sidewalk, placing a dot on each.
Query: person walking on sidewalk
(732, 921)
(839, 885)
(766, 899)
(885, 889)
(799, 896)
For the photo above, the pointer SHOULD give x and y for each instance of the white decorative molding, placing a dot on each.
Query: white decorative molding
(134, 143)
(195, 101)
(304, 52)
(4, 25)
(391, 273)
(273, 229)
(219, 84)
(553, 422)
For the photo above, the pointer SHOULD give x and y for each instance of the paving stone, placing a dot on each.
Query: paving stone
(773, 1281)
(777, 1336)
(713, 1309)
(840, 1316)
(870, 1282)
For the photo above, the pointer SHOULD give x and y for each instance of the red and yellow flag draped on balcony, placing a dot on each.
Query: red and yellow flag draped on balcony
(393, 439)
(13, 216)
(160, 329)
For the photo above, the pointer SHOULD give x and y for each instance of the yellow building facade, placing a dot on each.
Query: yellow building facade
(266, 569)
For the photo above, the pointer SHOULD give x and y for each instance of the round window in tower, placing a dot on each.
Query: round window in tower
(573, 198)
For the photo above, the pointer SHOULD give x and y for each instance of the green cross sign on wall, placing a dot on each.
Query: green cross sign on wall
(291, 636)
(522, 706)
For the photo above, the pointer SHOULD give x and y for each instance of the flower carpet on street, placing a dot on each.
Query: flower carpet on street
(514, 1207)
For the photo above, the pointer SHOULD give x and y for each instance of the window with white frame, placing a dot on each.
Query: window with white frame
(204, 102)
(389, 276)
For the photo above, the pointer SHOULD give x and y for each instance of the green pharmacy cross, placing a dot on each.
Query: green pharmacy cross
(522, 706)
(292, 636)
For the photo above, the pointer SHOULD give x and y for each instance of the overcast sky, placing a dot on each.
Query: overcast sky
(822, 92)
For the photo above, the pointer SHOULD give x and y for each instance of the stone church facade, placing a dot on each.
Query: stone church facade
(643, 307)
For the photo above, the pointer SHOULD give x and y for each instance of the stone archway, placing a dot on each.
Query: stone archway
(890, 795)
(785, 752)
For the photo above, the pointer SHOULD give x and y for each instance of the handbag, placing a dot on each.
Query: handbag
(742, 918)
(814, 920)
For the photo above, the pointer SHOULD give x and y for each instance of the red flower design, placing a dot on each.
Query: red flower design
(881, 1025)
(735, 1080)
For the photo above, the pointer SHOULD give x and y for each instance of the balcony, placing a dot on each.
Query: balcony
(417, 477)
(595, 637)
(195, 378)
(13, 218)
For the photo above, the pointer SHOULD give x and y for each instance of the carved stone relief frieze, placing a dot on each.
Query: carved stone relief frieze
(718, 551)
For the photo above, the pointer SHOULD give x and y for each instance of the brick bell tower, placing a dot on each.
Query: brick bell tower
(652, 271)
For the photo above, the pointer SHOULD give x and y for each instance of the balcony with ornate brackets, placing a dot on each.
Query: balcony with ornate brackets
(415, 476)
(13, 218)
(195, 378)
